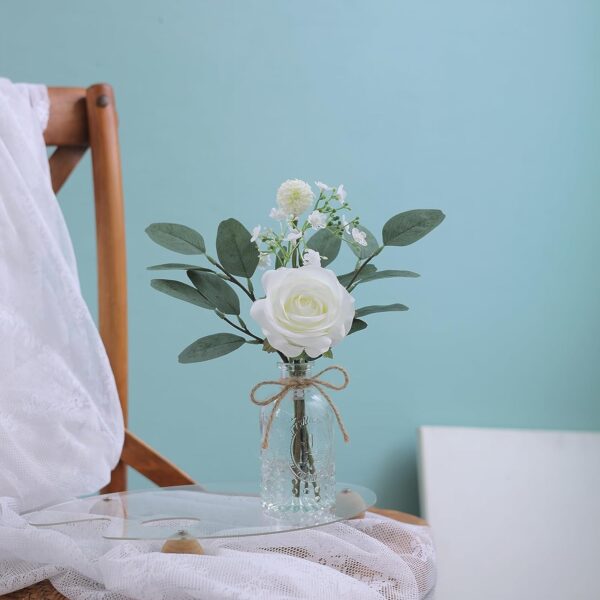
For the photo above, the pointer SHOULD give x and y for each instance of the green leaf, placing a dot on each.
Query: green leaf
(379, 308)
(409, 227)
(216, 291)
(346, 278)
(181, 291)
(177, 267)
(327, 244)
(363, 252)
(238, 255)
(267, 347)
(357, 325)
(211, 346)
(329, 353)
(386, 274)
(178, 238)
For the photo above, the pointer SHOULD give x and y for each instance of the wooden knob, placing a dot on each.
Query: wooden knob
(182, 543)
(349, 502)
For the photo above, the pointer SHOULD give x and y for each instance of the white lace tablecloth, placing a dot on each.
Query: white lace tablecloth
(373, 558)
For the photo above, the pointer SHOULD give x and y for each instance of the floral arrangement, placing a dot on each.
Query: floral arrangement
(307, 309)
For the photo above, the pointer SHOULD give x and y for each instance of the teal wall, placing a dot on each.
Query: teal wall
(489, 110)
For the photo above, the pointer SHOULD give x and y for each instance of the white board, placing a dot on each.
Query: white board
(515, 513)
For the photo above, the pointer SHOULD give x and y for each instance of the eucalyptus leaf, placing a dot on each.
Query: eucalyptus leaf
(211, 346)
(181, 291)
(346, 278)
(238, 255)
(410, 226)
(216, 291)
(386, 274)
(357, 325)
(177, 267)
(379, 308)
(178, 238)
(327, 244)
(363, 252)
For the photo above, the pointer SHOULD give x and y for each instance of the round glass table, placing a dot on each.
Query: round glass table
(217, 510)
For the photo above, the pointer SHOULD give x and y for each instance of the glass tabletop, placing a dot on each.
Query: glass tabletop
(217, 510)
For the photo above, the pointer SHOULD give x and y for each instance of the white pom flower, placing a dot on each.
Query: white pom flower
(311, 258)
(360, 237)
(317, 220)
(255, 233)
(293, 235)
(323, 186)
(305, 310)
(342, 193)
(278, 214)
(294, 196)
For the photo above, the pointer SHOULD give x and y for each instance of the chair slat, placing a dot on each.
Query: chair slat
(62, 162)
(67, 125)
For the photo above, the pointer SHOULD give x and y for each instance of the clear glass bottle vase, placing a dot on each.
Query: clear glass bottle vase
(298, 467)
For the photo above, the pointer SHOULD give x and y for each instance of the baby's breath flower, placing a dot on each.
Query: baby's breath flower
(360, 237)
(255, 233)
(317, 220)
(342, 193)
(323, 186)
(278, 214)
(311, 258)
(294, 196)
(264, 261)
(345, 224)
(293, 235)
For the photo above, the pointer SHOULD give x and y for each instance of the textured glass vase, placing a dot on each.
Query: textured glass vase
(298, 467)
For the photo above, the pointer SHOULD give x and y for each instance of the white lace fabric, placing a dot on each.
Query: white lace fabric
(61, 426)
(374, 558)
(61, 432)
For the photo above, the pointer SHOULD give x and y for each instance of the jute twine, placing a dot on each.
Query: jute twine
(297, 383)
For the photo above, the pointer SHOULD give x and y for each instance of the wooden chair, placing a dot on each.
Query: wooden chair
(86, 118)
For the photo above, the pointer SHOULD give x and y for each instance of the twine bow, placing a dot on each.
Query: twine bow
(294, 383)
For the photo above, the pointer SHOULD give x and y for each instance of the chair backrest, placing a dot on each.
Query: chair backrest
(79, 119)
(515, 513)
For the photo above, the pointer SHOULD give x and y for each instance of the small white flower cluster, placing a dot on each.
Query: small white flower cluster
(295, 197)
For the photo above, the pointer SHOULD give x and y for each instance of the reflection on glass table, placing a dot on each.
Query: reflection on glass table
(217, 510)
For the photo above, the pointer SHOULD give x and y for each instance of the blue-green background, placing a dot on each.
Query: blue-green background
(486, 109)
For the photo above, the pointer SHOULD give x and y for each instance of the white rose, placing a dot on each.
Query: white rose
(305, 309)
(294, 197)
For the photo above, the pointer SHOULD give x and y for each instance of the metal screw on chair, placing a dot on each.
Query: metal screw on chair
(102, 101)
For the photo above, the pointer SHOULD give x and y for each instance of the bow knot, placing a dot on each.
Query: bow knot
(294, 383)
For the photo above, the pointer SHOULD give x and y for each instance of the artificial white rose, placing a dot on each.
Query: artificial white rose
(305, 310)
(294, 196)
(317, 219)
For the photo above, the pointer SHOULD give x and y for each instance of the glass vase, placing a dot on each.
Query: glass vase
(298, 467)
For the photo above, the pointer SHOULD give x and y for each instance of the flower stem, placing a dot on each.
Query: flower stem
(231, 278)
(363, 266)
